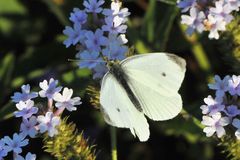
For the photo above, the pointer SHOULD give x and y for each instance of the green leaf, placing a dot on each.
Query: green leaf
(55, 9)
(6, 111)
(170, 2)
(6, 71)
(158, 24)
(12, 6)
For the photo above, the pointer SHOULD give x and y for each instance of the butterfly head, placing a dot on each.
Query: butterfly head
(112, 63)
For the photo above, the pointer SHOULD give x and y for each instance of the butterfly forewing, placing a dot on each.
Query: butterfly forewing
(155, 79)
(118, 109)
(161, 72)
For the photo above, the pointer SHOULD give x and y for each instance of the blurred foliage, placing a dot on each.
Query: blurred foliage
(232, 148)
(94, 95)
(230, 45)
(31, 50)
(69, 144)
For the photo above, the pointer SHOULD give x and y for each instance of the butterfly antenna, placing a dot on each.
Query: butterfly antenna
(73, 60)
(89, 60)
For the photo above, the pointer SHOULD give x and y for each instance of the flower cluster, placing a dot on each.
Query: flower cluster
(36, 119)
(99, 34)
(204, 15)
(222, 111)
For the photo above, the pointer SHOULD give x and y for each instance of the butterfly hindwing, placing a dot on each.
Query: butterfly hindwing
(156, 106)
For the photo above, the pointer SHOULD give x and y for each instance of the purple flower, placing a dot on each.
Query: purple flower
(78, 16)
(222, 11)
(89, 59)
(94, 41)
(48, 123)
(114, 26)
(75, 35)
(93, 6)
(234, 85)
(221, 86)
(28, 127)
(116, 49)
(119, 15)
(234, 4)
(16, 143)
(212, 16)
(194, 21)
(65, 100)
(215, 124)
(49, 89)
(236, 123)
(216, 25)
(25, 95)
(185, 5)
(26, 109)
(213, 106)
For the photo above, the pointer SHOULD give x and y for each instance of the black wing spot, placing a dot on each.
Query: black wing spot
(118, 109)
(178, 60)
(163, 74)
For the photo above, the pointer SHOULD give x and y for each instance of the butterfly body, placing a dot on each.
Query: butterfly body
(139, 86)
(120, 75)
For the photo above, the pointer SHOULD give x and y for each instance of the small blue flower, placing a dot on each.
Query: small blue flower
(194, 21)
(186, 5)
(64, 100)
(222, 11)
(75, 35)
(99, 71)
(93, 6)
(234, 4)
(119, 15)
(28, 127)
(214, 124)
(236, 123)
(29, 156)
(213, 106)
(215, 25)
(116, 50)
(49, 89)
(89, 59)
(78, 16)
(3, 149)
(26, 109)
(217, 14)
(16, 143)
(48, 123)
(114, 26)
(94, 41)
(234, 85)
(25, 95)
(221, 86)
(232, 111)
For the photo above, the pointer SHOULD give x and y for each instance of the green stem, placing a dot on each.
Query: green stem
(114, 142)
(199, 53)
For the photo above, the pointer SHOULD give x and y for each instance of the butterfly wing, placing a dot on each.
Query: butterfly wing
(119, 111)
(155, 79)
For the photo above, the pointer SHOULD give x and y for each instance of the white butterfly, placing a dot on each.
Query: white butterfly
(145, 84)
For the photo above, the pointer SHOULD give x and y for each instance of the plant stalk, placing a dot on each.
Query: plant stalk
(113, 142)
